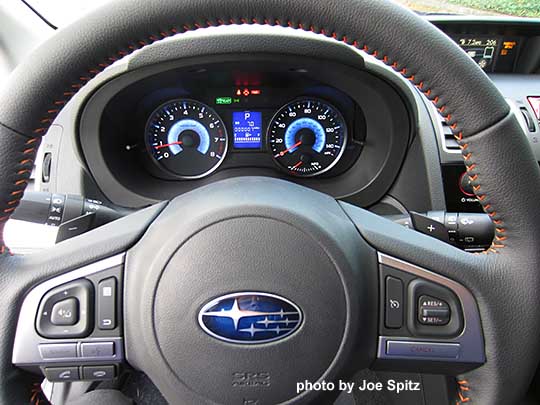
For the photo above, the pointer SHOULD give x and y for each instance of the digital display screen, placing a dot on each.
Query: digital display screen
(492, 54)
(481, 50)
(247, 129)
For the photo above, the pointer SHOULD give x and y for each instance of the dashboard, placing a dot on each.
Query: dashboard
(509, 52)
(189, 112)
(509, 46)
(167, 129)
(491, 53)
(307, 136)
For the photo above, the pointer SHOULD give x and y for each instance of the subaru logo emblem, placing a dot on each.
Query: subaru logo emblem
(250, 318)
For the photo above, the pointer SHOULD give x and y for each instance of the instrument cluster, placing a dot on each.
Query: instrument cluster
(163, 130)
(300, 135)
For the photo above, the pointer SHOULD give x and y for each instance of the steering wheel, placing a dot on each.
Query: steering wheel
(325, 261)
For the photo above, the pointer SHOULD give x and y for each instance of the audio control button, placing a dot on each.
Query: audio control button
(97, 349)
(65, 312)
(58, 351)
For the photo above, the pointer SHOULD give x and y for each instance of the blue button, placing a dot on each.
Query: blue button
(422, 349)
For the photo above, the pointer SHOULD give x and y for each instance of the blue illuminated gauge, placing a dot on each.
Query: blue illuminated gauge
(186, 138)
(307, 137)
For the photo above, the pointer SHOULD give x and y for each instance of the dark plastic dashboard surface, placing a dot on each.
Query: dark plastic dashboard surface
(113, 123)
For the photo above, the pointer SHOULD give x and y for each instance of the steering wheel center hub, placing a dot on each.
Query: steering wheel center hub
(244, 297)
(246, 301)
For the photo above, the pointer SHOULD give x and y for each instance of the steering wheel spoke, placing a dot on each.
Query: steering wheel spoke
(52, 305)
(429, 319)
(428, 322)
(70, 326)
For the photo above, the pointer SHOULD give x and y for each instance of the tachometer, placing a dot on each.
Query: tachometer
(187, 138)
(307, 137)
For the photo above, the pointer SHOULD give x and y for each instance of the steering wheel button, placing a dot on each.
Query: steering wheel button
(65, 312)
(433, 311)
(394, 303)
(61, 374)
(58, 351)
(97, 349)
(98, 372)
(107, 304)
(422, 349)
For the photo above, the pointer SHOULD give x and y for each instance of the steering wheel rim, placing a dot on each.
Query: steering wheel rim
(488, 136)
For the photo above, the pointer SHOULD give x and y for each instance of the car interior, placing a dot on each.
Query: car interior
(269, 202)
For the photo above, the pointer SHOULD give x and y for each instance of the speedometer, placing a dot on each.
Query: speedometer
(186, 138)
(307, 137)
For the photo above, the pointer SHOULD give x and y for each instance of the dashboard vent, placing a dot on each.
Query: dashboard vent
(449, 140)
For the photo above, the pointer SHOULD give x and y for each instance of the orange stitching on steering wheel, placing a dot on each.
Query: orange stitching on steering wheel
(463, 393)
(23, 172)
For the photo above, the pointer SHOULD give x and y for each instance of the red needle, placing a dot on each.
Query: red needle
(168, 144)
(296, 166)
(288, 149)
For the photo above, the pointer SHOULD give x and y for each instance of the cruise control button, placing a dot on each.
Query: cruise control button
(58, 351)
(60, 374)
(98, 372)
(433, 311)
(97, 349)
(394, 303)
(422, 349)
(65, 312)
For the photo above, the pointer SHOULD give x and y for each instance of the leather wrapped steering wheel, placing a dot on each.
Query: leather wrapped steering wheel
(171, 272)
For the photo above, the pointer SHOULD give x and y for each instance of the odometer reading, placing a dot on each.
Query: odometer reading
(307, 137)
(187, 138)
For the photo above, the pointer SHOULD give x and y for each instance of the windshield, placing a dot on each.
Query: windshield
(519, 8)
(62, 12)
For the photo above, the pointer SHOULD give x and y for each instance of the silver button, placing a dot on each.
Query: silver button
(97, 349)
(58, 351)
(422, 349)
